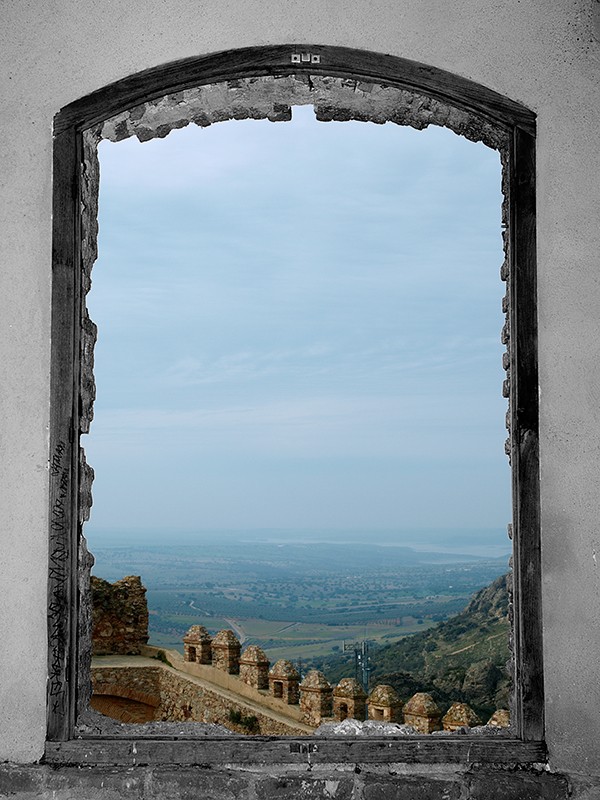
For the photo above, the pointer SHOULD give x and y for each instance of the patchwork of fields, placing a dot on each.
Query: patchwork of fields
(291, 640)
(298, 601)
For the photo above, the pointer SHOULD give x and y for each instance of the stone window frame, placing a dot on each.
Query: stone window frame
(263, 82)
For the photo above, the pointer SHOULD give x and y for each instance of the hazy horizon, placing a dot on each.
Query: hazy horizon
(484, 543)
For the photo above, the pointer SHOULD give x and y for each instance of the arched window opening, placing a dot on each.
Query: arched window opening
(501, 125)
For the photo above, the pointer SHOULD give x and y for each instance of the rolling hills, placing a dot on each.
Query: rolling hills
(462, 658)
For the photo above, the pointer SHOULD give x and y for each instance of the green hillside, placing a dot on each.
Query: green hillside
(462, 658)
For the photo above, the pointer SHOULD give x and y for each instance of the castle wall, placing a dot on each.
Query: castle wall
(544, 55)
(181, 699)
(231, 683)
(137, 683)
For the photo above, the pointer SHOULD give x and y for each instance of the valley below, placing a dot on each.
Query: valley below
(311, 601)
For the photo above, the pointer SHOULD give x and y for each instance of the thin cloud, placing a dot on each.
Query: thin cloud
(387, 358)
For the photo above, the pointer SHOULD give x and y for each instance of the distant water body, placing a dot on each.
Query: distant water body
(484, 543)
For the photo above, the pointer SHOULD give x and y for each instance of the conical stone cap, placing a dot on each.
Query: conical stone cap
(351, 688)
(197, 633)
(315, 681)
(500, 718)
(284, 670)
(384, 695)
(254, 655)
(460, 714)
(226, 638)
(422, 704)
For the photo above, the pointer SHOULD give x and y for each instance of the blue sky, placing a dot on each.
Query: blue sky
(299, 327)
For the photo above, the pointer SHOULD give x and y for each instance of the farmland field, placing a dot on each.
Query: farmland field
(297, 599)
(293, 640)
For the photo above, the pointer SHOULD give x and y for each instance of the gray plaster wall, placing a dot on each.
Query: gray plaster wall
(542, 53)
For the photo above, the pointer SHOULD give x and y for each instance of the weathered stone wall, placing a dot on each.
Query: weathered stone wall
(179, 698)
(137, 683)
(182, 700)
(119, 616)
(181, 694)
(284, 782)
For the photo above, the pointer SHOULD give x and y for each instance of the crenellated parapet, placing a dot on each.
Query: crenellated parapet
(319, 701)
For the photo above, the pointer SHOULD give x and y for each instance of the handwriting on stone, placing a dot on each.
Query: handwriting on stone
(59, 576)
(56, 460)
(57, 615)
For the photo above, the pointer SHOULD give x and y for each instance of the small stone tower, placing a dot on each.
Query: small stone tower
(459, 715)
(197, 645)
(315, 698)
(422, 713)
(284, 680)
(349, 700)
(226, 652)
(254, 667)
(384, 704)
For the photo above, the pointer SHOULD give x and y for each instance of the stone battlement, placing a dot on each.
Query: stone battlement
(317, 699)
(216, 682)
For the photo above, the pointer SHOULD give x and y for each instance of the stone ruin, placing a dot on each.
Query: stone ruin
(120, 626)
(322, 707)
(119, 616)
